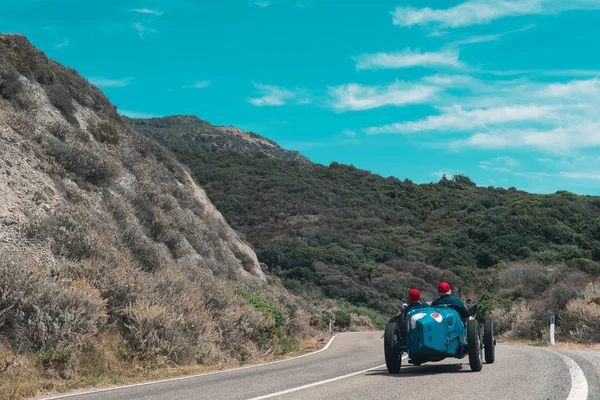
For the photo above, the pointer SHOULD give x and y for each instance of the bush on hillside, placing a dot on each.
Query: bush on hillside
(85, 162)
(104, 132)
(41, 312)
(10, 85)
(580, 321)
(523, 280)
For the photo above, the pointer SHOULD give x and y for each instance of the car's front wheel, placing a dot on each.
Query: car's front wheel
(474, 345)
(391, 343)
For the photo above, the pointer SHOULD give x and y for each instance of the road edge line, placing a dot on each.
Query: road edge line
(180, 378)
(319, 383)
(579, 385)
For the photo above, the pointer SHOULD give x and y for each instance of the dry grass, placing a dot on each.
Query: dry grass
(28, 379)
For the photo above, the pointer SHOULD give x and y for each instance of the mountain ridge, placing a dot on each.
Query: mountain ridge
(198, 135)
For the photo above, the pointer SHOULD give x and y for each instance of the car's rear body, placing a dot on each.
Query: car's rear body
(434, 333)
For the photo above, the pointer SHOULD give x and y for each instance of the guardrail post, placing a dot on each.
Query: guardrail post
(552, 322)
(330, 327)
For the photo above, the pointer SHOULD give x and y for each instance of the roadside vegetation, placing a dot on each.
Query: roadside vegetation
(337, 232)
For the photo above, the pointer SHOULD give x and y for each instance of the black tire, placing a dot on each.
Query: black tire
(474, 345)
(391, 341)
(489, 342)
(403, 327)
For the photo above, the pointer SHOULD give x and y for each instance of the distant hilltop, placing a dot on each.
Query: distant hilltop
(188, 132)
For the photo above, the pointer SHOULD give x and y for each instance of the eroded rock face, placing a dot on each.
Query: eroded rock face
(50, 155)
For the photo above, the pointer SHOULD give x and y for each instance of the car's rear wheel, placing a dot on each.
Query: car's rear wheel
(391, 343)
(489, 342)
(474, 345)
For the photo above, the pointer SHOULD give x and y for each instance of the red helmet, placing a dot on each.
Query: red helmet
(443, 287)
(414, 295)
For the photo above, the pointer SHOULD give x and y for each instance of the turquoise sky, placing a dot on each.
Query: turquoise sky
(506, 92)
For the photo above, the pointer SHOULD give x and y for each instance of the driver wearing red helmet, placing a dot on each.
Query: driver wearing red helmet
(446, 298)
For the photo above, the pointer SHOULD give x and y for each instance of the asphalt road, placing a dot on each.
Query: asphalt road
(353, 368)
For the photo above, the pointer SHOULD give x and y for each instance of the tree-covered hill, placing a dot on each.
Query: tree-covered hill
(357, 235)
(347, 233)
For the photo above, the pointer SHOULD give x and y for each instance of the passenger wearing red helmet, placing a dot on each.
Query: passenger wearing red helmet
(446, 298)
(414, 297)
(414, 300)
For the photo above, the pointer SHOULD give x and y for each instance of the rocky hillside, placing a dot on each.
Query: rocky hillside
(194, 134)
(104, 235)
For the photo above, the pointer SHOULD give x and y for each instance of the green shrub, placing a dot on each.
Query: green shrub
(342, 318)
(10, 85)
(585, 265)
(483, 306)
(105, 132)
(60, 98)
(57, 358)
(264, 306)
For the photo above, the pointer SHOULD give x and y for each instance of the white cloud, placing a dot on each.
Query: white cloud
(576, 88)
(62, 44)
(355, 97)
(474, 12)
(102, 82)
(485, 38)
(262, 4)
(300, 5)
(569, 170)
(408, 58)
(595, 175)
(198, 85)
(147, 11)
(349, 133)
(142, 30)
(476, 39)
(271, 95)
(437, 34)
(558, 118)
(558, 140)
(458, 119)
(499, 164)
(451, 80)
(547, 72)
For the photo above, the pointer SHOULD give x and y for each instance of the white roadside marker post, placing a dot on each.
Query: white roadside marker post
(552, 322)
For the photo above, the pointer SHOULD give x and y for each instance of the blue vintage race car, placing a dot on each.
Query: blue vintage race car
(429, 333)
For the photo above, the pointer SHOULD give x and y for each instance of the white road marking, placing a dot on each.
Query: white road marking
(62, 396)
(310, 385)
(579, 385)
